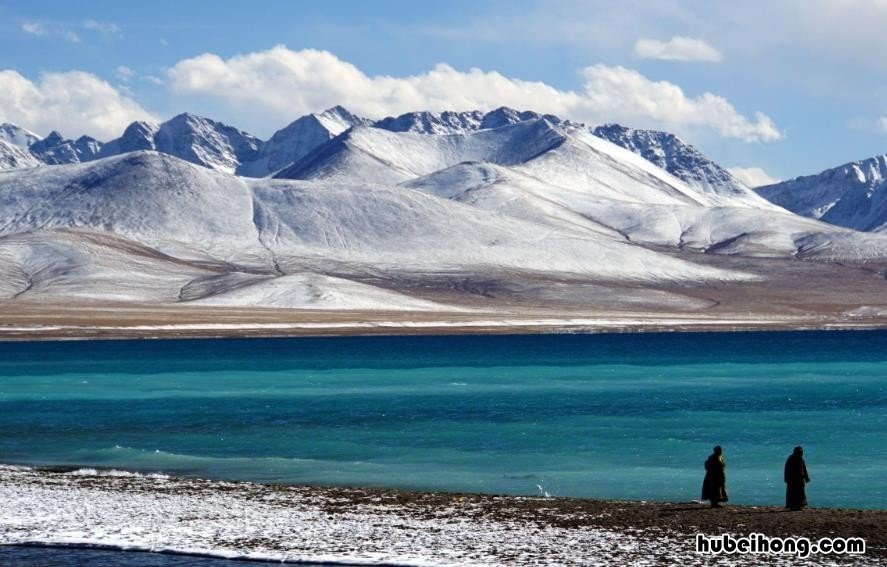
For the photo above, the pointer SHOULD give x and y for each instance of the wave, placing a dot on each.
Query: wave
(284, 558)
(88, 471)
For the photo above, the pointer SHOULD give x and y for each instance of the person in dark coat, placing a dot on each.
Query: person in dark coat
(714, 486)
(796, 479)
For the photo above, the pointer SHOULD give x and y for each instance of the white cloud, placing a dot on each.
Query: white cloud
(677, 49)
(882, 123)
(33, 28)
(73, 102)
(621, 94)
(72, 32)
(752, 176)
(124, 73)
(283, 84)
(108, 29)
(154, 80)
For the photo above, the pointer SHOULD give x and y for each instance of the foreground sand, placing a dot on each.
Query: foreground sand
(373, 526)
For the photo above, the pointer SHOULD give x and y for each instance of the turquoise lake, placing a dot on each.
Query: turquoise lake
(629, 416)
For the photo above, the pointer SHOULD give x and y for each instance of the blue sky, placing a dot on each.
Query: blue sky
(812, 69)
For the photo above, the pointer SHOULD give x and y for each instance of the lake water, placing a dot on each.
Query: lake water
(608, 416)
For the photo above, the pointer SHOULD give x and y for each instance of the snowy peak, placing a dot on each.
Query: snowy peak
(56, 150)
(298, 139)
(338, 119)
(853, 195)
(504, 116)
(17, 136)
(432, 122)
(14, 157)
(137, 136)
(382, 156)
(206, 142)
(450, 122)
(677, 157)
(192, 138)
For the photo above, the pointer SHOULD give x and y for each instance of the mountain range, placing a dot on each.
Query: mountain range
(853, 195)
(218, 146)
(424, 211)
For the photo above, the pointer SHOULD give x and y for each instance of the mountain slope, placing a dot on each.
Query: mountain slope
(17, 136)
(853, 195)
(12, 157)
(432, 122)
(450, 122)
(215, 219)
(192, 138)
(675, 156)
(684, 225)
(56, 150)
(298, 140)
(206, 142)
(159, 201)
(137, 136)
(380, 156)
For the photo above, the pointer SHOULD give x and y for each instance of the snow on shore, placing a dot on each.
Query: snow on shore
(252, 521)
(289, 523)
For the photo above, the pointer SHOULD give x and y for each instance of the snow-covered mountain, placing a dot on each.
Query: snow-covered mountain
(55, 149)
(298, 140)
(361, 214)
(449, 122)
(586, 183)
(17, 136)
(192, 233)
(12, 156)
(433, 122)
(218, 146)
(206, 142)
(137, 136)
(382, 156)
(852, 195)
(676, 157)
(191, 138)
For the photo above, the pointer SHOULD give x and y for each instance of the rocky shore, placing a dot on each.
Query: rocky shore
(159, 513)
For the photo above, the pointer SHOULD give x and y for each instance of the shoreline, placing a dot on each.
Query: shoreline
(154, 512)
(384, 328)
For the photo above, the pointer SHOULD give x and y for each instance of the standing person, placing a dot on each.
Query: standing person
(714, 486)
(795, 480)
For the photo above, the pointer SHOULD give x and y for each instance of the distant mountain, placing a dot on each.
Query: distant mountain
(192, 138)
(337, 145)
(55, 149)
(137, 136)
(369, 218)
(676, 157)
(563, 176)
(146, 226)
(206, 142)
(17, 136)
(449, 122)
(13, 157)
(853, 195)
(433, 122)
(298, 139)
(381, 156)
(503, 116)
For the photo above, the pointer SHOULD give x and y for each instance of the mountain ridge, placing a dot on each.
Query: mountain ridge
(216, 145)
(852, 195)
